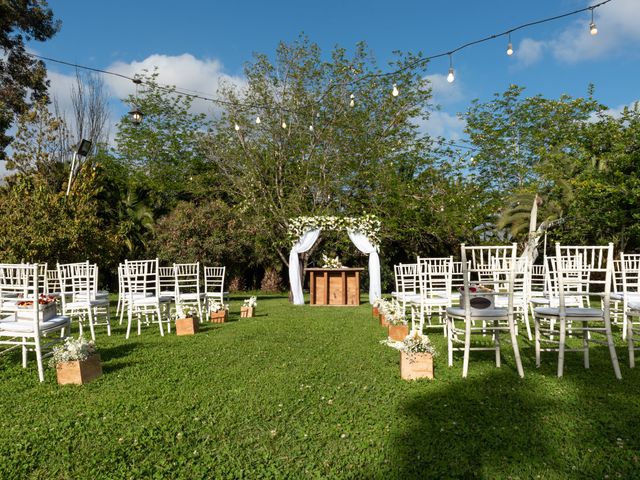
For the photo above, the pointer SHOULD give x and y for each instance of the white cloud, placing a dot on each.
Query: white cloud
(443, 124)
(529, 51)
(618, 25)
(185, 71)
(445, 93)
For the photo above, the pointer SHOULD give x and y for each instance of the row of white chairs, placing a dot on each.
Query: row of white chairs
(557, 295)
(147, 290)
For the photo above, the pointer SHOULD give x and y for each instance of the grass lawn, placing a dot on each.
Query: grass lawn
(308, 392)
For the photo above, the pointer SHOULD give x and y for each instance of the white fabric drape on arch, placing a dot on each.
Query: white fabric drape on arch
(302, 245)
(363, 244)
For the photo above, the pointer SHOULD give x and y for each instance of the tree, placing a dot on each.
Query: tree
(162, 152)
(313, 153)
(22, 78)
(39, 145)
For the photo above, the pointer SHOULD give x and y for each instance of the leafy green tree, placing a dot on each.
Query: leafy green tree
(331, 139)
(23, 79)
(162, 152)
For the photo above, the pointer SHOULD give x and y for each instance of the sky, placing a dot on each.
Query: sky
(196, 44)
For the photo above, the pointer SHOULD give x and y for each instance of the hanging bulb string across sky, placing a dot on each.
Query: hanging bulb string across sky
(419, 63)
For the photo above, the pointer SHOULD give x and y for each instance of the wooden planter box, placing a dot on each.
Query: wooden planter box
(186, 326)
(383, 321)
(421, 367)
(79, 372)
(397, 333)
(375, 312)
(247, 312)
(219, 317)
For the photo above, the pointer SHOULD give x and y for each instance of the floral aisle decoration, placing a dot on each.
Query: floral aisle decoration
(375, 308)
(76, 361)
(248, 307)
(218, 311)
(328, 262)
(385, 307)
(397, 320)
(416, 357)
(368, 225)
(186, 320)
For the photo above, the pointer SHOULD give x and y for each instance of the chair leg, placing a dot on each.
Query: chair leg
(91, 326)
(536, 327)
(24, 352)
(160, 320)
(631, 346)
(516, 348)
(130, 318)
(449, 341)
(563, 333)
(496, 342)
(625, 322)
(39, 359)
(525, 316)
(612, 348)
(108, 322)
(585, 343)
(467, 348)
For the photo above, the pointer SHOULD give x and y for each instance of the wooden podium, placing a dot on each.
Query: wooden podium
(334, 286)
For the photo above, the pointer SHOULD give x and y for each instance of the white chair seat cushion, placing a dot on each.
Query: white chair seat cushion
(634, 305)
(150, 300)
(617, 296)
(408, 297)
(493, 313)
(539, 301)
(167, 293)
(99, 302)
(26, 326)
(192, 296)
(570, 312)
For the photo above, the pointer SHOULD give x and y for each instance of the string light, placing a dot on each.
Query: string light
(352, 103)
(593, 30)
(237, 127)
(451, 77)
(258, 120)
(420, 62)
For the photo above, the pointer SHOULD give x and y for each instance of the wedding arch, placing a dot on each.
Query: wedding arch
(363, 231)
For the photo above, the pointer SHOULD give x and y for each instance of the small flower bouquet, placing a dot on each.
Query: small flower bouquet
(218, 312)
(328, 262)
(248, 307)
(416, 357)
(396, 320)
(76, 361)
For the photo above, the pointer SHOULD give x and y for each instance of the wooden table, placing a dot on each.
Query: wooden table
(334, 286)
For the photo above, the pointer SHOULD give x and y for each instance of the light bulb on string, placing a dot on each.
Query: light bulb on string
(395, 91)
(593, 29)
(451, 77)
(258, 120)
(236, 127)
(284, 124)
(352, 102)
(311, 128)
(510, 46)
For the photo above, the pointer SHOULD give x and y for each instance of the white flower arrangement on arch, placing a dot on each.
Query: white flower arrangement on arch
(369, 225)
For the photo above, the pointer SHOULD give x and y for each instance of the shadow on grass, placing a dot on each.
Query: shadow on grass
(495, 425)
(112, 356)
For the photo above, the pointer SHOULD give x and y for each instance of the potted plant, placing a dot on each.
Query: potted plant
(384, 306)
(416, 357)
(375, 308)
(186, 321)
(218, 312)
(248, 307)
(76, 361)
(397, 320)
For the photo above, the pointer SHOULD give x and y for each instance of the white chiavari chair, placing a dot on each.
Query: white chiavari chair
(496, 321)
(579, 272)
(214, 284)
(187, 287)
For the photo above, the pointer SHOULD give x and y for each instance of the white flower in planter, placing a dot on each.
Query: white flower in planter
(71, 350)
(250, 302)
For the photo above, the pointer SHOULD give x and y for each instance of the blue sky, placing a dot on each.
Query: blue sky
(197, 43)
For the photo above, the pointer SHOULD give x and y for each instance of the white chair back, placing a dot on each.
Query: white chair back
(214, 282)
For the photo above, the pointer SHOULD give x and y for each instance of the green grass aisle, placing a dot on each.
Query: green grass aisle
(308, 392)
